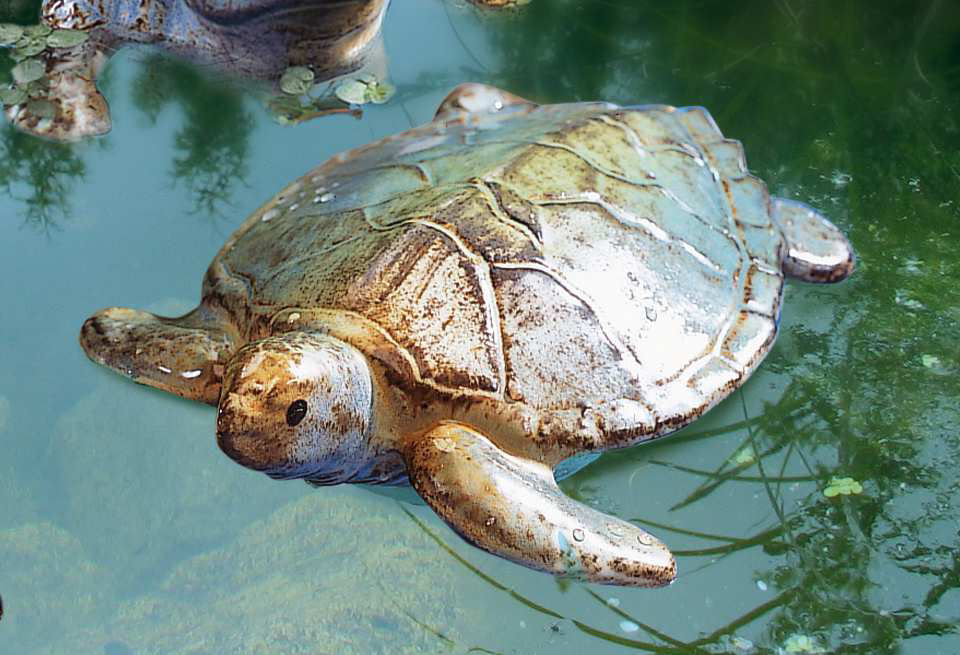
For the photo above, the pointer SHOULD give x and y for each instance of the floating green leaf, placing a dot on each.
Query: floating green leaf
(37, 88)
(10, 34)
(40, 29)
(66, 38)
(844, 486)
(296, 80)
(364, 89)
(352, 91)
(744, 456)
(27, 71)
(12, 96)
(32, 48)
(41, 108)
(801, 644)
(380, 92)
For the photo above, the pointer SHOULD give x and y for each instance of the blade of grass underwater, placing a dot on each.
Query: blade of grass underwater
(637, 645)
(747, 618)
(707, 488)
(785, 408)
(436, 633)
(595, 632)
(483, 576)
(732, 475)
(691, 533)
(761, 538)
(619, 612)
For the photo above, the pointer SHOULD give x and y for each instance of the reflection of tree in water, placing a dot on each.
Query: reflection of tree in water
(40, 175)
(854, 112)
(214, 140)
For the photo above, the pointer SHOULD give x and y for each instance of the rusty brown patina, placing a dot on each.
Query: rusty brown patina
(466, 304)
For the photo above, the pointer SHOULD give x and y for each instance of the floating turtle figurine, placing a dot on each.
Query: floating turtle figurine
(467, 304)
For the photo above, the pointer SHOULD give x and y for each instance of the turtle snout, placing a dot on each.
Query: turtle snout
(246, 442)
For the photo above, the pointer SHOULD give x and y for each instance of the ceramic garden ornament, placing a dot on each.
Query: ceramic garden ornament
(469, 303)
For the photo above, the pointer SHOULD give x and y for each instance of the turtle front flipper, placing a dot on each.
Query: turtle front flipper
(185, 356)
(816, 250)
(512, 507)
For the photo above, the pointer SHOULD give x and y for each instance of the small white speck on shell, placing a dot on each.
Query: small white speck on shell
(191, 374)
(269, 214)
(163, 369)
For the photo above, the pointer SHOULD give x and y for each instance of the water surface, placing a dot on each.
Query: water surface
(124, 530)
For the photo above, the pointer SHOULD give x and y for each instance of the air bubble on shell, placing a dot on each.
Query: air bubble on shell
(327, 197)
(269, 214)
(578, 534)
(629, 626)
(651, 313)
(191, 374)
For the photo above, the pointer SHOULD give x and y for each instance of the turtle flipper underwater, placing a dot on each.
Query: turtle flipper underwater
(466, 305)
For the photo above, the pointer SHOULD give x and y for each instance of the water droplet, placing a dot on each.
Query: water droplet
(163, 369)
(761, 585)
(191, 374)
(645, 539)
(651, 312)
(269, 214)
(651, 175)
(613, 602)
(629, 626)
(326, 197)
(578, 534)
(294, 316)
(614, 530)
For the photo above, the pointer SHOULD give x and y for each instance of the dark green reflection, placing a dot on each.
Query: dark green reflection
(40, 176)
(213, 143)
(856, 112)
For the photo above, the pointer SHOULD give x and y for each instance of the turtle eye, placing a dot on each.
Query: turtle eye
(296, 411)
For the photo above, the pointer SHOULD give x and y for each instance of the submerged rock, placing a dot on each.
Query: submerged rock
(49, 585)
(338, 571)
(143, 492)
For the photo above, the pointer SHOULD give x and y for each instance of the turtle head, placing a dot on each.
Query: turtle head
(297, 405)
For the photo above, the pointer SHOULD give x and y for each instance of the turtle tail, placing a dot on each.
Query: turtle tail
(185, 356)
(816, 251)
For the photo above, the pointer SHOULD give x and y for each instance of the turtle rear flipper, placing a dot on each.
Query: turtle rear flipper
(512, 507)
(816, 250)
(184, 356)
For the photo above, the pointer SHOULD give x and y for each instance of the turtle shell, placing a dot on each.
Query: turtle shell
(614, 269)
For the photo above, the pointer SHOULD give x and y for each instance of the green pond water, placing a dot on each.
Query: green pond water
(124, 530)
